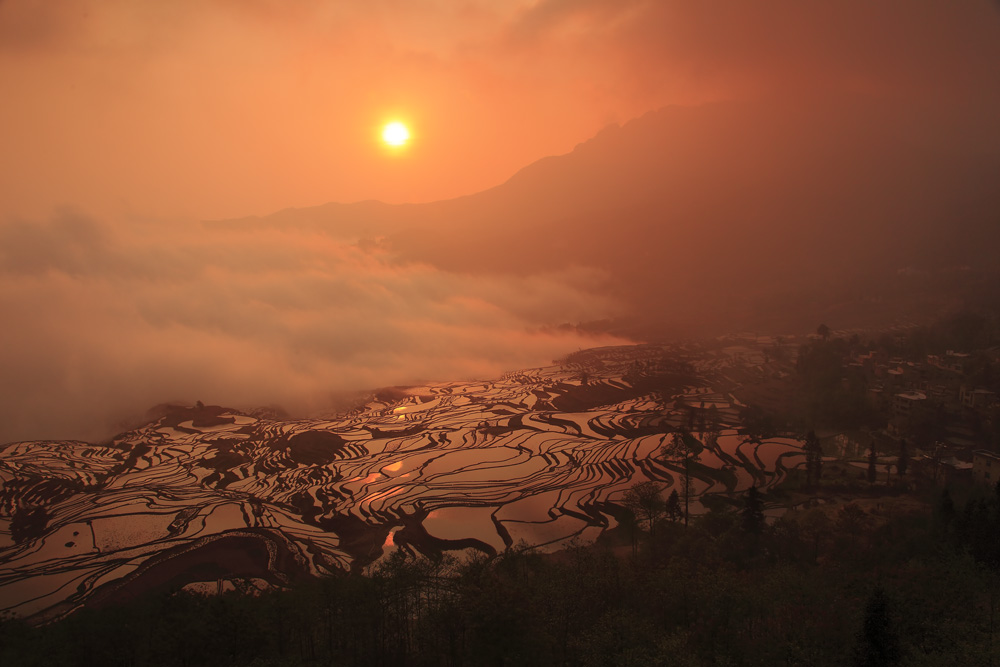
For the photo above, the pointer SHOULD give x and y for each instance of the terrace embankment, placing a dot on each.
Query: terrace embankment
(539, 456)
(247, 553)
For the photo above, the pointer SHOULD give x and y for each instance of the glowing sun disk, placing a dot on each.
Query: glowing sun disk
(395, 134)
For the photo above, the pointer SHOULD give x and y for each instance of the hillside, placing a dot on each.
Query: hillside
(206, 494)
(721, 216)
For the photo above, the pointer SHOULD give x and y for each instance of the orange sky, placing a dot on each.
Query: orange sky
(221, 108)
(125, 122)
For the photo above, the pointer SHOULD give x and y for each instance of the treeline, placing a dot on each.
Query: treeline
(818, 587)
(973, 528)
(967, 330)
(828, 395)
(831, 396)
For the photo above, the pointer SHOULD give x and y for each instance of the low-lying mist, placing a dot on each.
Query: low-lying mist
(104, 319)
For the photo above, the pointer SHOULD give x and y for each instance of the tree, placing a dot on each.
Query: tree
(872, 461)
(903, 462)
(936, 455)
(877, 644)
(946, 508)
(823, 331)
(757, 424)
(673, 507)
(631, 524)
(816, 524)
(851, 519)
(645, 501)
(752, 514)
(778, 351)
(685, 447)
(713, 425)
(814, 459)
(691, 418)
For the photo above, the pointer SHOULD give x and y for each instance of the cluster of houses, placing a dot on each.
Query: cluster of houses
(935, 405)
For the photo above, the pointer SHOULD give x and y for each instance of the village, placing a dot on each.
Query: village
(926, 395)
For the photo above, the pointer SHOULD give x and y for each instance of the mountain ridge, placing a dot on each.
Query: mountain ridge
(686, 210)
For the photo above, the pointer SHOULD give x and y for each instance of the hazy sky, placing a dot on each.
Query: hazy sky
(123, 122)
(223, 108)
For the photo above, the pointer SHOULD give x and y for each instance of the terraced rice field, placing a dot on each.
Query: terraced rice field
(209, 498)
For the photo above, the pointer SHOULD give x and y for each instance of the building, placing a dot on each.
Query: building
(909, 408)
(944, 469)
(908, 403)
(985, 467)
(977, 398)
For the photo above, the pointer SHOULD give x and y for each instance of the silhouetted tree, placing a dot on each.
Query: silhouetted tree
(851, 519)
(816, 524)
(877, 644)
(814, 459)
(823, 331)
(752, 514)
(710, 436)
(686, 447)
(713, 421)
(645, 501)
(872, 461)
(673, 507)
(946, 508)
(757, 424)
(778, 351)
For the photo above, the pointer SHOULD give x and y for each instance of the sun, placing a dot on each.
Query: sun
(395, 134)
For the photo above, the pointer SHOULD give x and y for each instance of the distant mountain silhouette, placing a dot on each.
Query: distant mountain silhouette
(722, 215)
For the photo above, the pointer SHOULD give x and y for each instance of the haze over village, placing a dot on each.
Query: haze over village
(475, 333)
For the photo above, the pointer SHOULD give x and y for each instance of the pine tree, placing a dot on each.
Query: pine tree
(686, 447)
(712, 418)
(713, 423)
(673, 507)
(878, 642)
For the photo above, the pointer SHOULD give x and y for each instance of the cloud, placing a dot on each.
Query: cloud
(104, 319)
(654, 50)
(201, 109)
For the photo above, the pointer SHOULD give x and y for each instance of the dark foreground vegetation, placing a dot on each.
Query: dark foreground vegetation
(829, 585)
